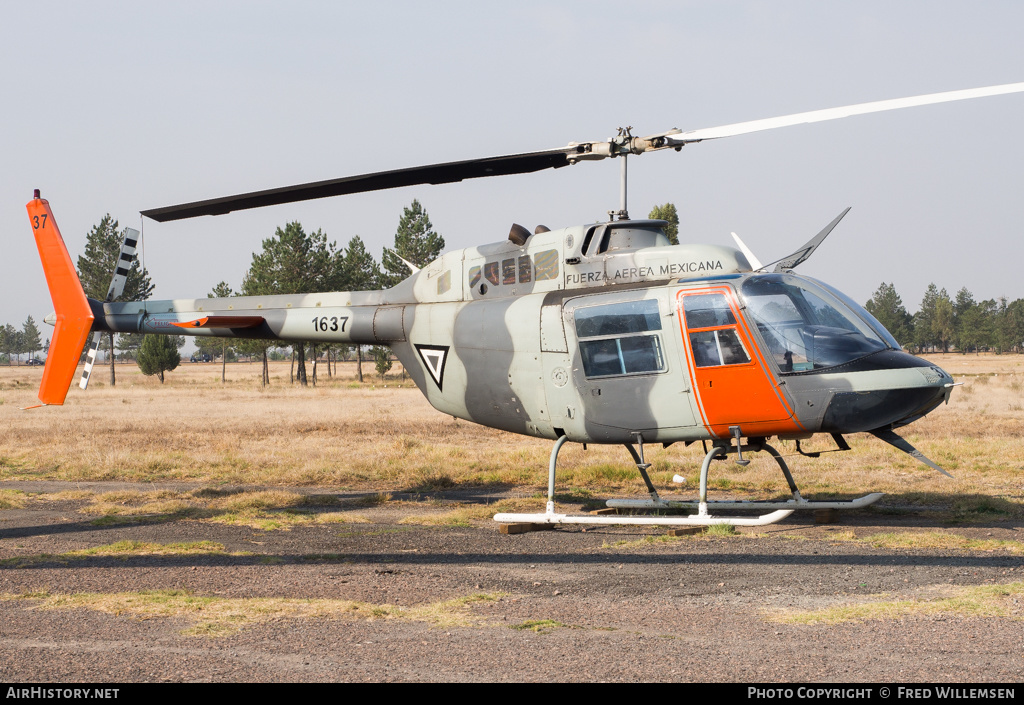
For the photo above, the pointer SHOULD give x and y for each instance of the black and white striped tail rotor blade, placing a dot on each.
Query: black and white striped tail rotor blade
(124, 263)
(116, 288)
(90, 360)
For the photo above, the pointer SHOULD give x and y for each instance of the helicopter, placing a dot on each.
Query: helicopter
(601, 333)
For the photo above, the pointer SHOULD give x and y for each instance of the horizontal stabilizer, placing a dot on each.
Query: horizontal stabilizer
(223, 322)
(890, 437)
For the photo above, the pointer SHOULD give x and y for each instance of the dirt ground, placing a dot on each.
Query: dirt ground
(601, 604)
(359, 581)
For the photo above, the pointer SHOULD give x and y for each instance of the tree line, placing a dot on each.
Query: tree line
(944, 323)
(14, 343)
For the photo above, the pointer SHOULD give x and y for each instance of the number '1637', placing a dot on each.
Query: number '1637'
(324, 324)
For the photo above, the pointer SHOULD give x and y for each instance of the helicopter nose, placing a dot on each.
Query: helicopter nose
(898, 398)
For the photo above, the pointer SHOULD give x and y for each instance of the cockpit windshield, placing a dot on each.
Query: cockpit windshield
(805, 326)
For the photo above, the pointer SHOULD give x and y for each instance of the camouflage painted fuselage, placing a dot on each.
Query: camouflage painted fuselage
(600, 332)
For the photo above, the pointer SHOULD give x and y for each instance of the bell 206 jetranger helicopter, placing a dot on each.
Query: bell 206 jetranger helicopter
(600, 333)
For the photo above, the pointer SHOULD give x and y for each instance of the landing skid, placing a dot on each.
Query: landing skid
(703, 517)
(692, 520)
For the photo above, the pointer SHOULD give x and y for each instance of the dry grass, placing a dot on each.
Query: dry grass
(12, 499)
(936, 539)
(914, 540)
(265, 509)
(467, 514)
(367, 437)
(979, 601)
(218, 616)
(650, 540)
(120, 549)
(540, 626)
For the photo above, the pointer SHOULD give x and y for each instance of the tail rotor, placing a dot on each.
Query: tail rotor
(124, 263)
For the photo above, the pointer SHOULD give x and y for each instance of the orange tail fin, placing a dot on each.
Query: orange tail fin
(74, 317)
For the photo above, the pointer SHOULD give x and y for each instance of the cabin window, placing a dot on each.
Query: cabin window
(508, 271)
(620, 339)
(491, 273)
(444, 282)
(525, 270)
(586, 240)
(545, 265)
(474, 276)
(609, 238)
(616, 319)
(714, 339)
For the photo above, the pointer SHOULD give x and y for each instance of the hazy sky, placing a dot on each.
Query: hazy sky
(118, 107)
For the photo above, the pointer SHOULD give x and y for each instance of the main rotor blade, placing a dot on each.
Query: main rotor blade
(742, 128)
(444, 173)
(449, 172)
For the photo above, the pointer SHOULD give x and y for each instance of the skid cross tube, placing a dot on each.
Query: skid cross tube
(701, 519)
(719, 451)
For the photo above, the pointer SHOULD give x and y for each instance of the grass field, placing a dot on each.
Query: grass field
(386, 437)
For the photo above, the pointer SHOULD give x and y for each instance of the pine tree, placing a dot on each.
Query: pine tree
(96, 268)
(255, 347)
(294, 262)
(944, 323)
(158, 354)
(360, 273)
(128, 344)
(359, 270)
(30, 336)
(924, 335)
(1014, 325)
(887, 306)
(381, 359)
(415, 241)
(668, 213)
(965, 320)
(9, 342)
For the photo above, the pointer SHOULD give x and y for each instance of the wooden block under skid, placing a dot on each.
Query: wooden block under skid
(826, 516)
(524, 528)
(606, 510)
(686, 531)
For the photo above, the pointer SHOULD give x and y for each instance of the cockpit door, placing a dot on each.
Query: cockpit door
(728, 371)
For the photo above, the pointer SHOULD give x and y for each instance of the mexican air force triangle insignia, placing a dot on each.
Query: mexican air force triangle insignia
(434, 357)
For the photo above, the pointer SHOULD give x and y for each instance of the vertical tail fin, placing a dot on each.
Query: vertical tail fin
(74, 316)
